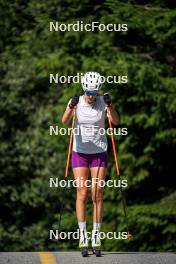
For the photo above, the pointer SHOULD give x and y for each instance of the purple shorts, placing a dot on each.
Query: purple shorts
(89, 160)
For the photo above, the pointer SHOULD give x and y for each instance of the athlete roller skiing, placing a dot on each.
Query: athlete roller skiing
(89, 152)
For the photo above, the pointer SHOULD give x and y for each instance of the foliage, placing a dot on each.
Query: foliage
(30, 104)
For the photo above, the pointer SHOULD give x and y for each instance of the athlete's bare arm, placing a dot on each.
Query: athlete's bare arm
(113, 115)
(67, 116)
(69, 111)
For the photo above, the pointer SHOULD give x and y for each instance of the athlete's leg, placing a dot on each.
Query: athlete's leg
(97, 192)
(98, 176)
(81, 175)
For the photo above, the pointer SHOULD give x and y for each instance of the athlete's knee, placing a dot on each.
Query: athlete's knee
(82, 194)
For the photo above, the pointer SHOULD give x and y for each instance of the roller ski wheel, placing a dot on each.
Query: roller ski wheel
(84, 252)
(97, 252)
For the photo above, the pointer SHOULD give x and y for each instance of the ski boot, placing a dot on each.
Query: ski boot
(96, 244)
(83, 245)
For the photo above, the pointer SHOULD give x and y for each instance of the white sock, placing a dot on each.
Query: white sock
(95, 234)
(96, 226)
(82, 226)
(83, 233)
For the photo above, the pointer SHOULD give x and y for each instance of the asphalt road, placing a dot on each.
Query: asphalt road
(76, 258)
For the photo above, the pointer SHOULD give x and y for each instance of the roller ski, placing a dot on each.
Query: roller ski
(83, 244)
(96, 244)
(97, 252)
(84, 252)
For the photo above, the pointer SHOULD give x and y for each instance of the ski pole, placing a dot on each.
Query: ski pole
(70, 144)
(67, 163)
(118, 174)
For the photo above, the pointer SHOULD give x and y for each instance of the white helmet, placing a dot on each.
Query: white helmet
(91, 81)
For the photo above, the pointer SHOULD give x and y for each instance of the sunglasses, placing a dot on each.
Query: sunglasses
(91, 93)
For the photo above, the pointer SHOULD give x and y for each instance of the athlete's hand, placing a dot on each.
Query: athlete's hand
(74, 101)
(107, 99)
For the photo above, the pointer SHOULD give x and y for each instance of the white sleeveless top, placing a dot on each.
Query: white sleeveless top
(89, 133)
